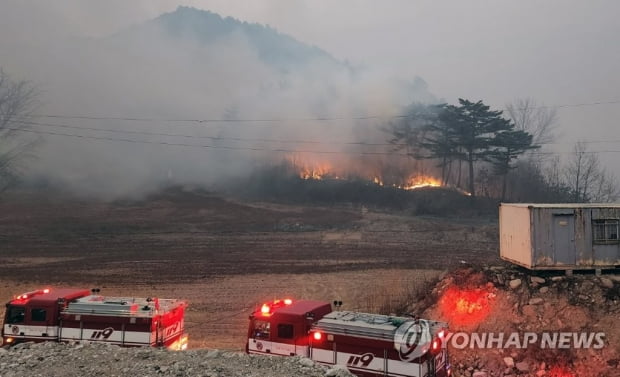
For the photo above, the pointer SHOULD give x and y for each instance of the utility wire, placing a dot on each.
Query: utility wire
(224, 147)
(255, 120)
(265, 140)
(572, 105)
(201, 145)
(132, 132)
(275, 120)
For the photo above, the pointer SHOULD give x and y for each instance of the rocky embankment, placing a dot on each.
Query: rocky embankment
(533, 308)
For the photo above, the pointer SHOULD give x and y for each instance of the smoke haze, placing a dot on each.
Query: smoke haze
(120, 59)
(193, 65)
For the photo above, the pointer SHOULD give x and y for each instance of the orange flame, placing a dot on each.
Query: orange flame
(421, 181)
(325, 170)
(416, 182)
(319, 171)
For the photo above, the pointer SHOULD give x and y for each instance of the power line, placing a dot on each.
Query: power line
(281, 150)
(276, 120)
(201, 145)
(266, 140)
(575, 105)
(132, 132)
(214, 120)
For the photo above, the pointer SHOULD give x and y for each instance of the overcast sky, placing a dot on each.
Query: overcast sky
(558, 52)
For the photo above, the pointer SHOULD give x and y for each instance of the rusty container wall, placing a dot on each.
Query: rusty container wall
(515, 234)
(561, 235)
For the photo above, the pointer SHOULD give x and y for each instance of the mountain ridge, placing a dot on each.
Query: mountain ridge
(278, 49)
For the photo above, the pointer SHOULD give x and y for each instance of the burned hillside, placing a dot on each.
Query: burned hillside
(410, 193)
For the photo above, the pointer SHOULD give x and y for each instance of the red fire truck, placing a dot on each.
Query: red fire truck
(367, 344)
(81, 315)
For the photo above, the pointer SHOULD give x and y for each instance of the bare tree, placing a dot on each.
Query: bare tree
(587, 179)
(553, 174)
(607, 190)
(536, 119)
(539, 121)
(17, 100)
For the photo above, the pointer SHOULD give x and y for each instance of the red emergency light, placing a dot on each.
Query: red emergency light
(267, 307)
(317, 335)
(27, 295)
(436, 346)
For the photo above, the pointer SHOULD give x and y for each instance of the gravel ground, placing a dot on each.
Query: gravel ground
(57, 359)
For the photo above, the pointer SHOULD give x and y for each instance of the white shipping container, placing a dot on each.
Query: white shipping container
(560, 236)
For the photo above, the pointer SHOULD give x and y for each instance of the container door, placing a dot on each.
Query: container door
(564, 239)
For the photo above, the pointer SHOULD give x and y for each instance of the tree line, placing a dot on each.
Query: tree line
(484, 151)
(496, 155)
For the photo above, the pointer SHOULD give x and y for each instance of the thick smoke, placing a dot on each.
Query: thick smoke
(173, 78)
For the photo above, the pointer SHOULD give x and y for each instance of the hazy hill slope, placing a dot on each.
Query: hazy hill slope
(279, 50)
(195, 64)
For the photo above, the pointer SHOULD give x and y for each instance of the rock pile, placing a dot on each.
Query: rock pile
(95, 359)
(517, 301)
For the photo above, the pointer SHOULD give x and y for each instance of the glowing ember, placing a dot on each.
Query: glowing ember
(558, 371)
(465, 307)
(420, 182)
(412, 183)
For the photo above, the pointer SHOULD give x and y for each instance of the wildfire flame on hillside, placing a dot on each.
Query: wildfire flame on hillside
(318, 171)
(412, 183)
(325, 170)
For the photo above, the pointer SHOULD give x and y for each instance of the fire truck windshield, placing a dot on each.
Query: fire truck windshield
(15, 314)
(262, 329)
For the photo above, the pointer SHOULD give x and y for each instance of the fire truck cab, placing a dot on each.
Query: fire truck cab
(78, 315)
(367, 344)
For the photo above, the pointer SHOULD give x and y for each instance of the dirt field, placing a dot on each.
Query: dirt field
(225, 256)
